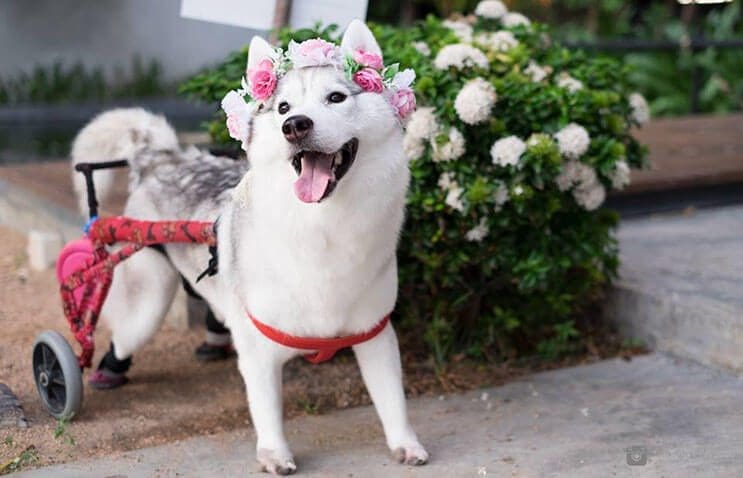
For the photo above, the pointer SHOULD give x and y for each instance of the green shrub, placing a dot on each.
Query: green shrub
(499, 256)
(57, 83)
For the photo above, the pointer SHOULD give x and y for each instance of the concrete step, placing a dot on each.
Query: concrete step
(681, 286)
(678, 418)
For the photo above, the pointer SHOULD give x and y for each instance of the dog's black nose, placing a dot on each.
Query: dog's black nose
(296, 128)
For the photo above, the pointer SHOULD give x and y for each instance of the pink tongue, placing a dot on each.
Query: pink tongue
(315, 177)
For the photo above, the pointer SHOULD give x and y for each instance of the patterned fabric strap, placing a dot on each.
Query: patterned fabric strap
(109, 230)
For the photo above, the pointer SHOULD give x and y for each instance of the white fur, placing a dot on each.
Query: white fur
(117, 134)
(359, 37)
(319, 270)
(260, 50)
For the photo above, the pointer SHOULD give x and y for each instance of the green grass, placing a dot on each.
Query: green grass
(27, 457)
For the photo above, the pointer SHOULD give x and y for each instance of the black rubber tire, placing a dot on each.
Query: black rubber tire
(57, 374)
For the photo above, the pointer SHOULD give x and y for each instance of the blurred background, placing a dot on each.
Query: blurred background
(63, 59)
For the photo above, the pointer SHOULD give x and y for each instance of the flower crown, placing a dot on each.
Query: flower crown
(364, 68)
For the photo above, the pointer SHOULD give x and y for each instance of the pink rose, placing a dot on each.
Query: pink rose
(315, 52)
(262, 80)
(403, 101)
(369, 80)
(365, 58)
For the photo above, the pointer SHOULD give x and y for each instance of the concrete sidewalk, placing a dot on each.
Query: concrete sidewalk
(575, 422)
(680, 287)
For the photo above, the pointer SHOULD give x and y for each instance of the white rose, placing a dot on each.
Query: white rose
(640, 108)
(479, 232)
(452, 149)
(454, 197)
(590, 197)
(462, 30)
(507, 151)
(460, 56)
(500, 195)
(569, 83)
(422, 48)
(413, 147)
(490, 9)
(422, 124)
(575, 173)
(514, 19)
(475, 101)
(620, 175)
(536, 72)
(502, 40)
(573, 141)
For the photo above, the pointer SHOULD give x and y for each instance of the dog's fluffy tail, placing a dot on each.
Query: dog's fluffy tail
(122, 133)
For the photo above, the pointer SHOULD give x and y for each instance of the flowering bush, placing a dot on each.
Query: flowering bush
(512, 150)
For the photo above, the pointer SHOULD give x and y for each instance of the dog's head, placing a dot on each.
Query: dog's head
(320, 129)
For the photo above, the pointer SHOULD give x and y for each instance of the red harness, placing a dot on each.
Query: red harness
(325, 347)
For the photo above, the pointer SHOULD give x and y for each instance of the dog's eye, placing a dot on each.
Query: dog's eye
(283, 107)
(336, 97)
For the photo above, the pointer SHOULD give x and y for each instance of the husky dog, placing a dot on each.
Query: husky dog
(307, 236)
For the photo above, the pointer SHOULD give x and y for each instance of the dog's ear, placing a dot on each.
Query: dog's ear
(259, 50)
(359, 37)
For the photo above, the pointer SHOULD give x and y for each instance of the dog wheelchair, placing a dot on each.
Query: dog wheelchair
(85, 270)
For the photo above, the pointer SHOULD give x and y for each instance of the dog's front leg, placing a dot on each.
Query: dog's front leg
(379, 360)
(262, 374)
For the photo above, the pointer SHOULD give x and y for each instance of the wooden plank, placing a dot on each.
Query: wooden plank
(691, 151)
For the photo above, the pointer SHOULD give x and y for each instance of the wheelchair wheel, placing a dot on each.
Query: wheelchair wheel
(57, 375)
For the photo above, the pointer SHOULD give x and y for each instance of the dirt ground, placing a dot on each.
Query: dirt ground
(172, 396)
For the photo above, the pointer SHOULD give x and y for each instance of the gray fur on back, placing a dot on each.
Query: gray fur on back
(186, 184)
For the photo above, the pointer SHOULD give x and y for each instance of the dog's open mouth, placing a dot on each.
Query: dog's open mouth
(319, 173)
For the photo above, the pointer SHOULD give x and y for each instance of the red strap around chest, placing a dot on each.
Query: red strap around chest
(325, 347)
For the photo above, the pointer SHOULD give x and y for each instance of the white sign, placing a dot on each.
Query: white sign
(258, 14)
(240, 13)
(305, 13)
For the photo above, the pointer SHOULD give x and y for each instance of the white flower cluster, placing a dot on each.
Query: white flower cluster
(452, 149)
(569, 83)
(507, 151)
(573, 141)
(496, 10)
(475, 101)
(420, 128)
(422, 48)
(588, 191)
(536, 72)
(453, 191)
(514, 19)
(501, 41)
(413, 147)
(492, 9)
(590, 198)
(500, 196)
(422, 123)
(640, 108)
(460, 56)
(620, 175)
(479, 232)
(423, 128)
(462, 30)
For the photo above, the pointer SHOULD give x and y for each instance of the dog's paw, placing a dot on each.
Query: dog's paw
(414, 454)
(275, 462)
